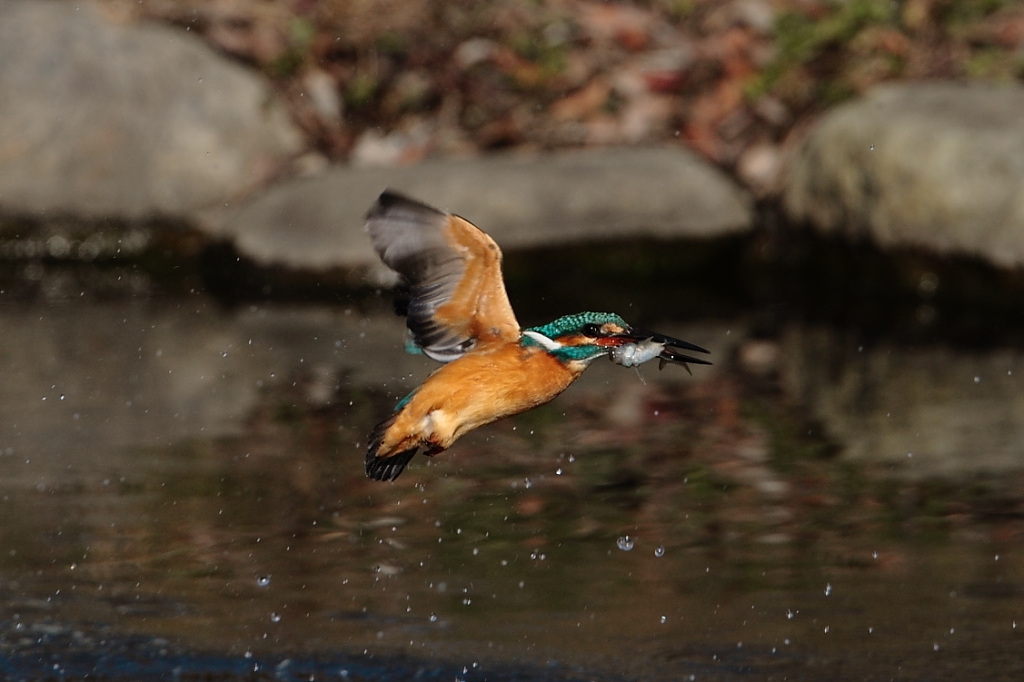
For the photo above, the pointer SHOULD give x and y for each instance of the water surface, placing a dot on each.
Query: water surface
(182, 482)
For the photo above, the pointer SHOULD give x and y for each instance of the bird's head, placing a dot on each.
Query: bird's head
(584, 337)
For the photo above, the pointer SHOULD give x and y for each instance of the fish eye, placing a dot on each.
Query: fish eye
(591, 330)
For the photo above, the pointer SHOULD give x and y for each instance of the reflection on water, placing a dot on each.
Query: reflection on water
(927, 410)
(178, 471)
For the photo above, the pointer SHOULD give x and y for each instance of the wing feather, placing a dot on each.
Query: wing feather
(454, 296)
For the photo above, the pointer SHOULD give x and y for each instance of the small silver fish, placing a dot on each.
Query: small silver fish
(635, 354)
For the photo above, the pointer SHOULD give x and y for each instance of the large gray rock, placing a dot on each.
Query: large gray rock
(936, 165)
(99, 120)
(316, 223)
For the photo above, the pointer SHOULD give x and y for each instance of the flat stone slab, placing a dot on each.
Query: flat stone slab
(938, 166)
(317, 223)
(132, 122)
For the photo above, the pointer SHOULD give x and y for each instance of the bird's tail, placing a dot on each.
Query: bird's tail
(385, 468)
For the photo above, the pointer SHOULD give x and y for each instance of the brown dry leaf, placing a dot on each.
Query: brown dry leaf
(267, 44)
(522, 71)
(917, 14)
(881, 39)
(582, 103)
(360, 23)
(628, 26)
(231, 38)
(664, 70)
(736, 46)
(708, 112)
(500, 132)
(645, 117)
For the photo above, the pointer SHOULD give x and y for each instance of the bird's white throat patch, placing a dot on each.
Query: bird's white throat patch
(544, 341)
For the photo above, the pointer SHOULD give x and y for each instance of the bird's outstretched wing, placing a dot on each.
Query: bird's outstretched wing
(451, 271)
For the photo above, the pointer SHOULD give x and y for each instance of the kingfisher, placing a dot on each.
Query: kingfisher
(452, 293)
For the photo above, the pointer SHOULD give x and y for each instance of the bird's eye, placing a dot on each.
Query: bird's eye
(591, 330)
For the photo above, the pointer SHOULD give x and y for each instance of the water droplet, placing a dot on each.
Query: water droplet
(826, 629)
(828, 589)
(275, 617)
(62, 396)
(527, 483)
(935, 646)
(475, 551)
(659, 551)
(977, 380)
(263, 580)
(871, 148)
(664, 619)
(433, 618)
(789, 614)
(558, 471)
(625, 543)
(467, 601)
(248, 654)
(571, 459)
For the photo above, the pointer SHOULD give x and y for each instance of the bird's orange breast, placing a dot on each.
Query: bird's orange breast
(474, 390)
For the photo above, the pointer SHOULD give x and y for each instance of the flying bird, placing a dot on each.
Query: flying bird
(457, 312)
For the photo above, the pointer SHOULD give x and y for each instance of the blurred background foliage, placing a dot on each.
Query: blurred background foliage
(389, 81)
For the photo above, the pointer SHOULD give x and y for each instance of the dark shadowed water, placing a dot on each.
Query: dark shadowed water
(182, 497)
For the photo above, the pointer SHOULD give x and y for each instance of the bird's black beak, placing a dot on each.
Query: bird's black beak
(671, 347)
